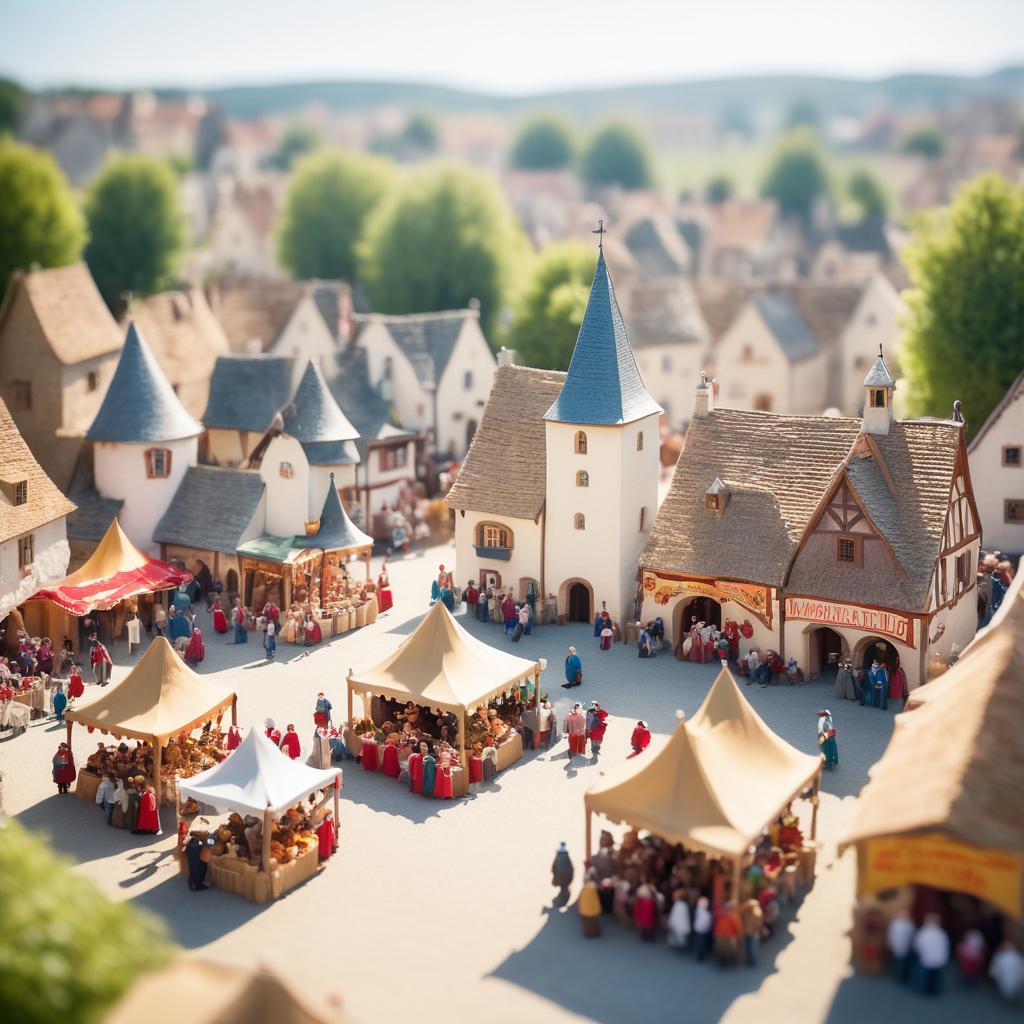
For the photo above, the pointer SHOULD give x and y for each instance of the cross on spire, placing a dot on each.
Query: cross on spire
(600, 233)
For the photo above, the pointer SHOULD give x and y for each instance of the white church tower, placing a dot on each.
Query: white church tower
(602, 467)
(143, 442)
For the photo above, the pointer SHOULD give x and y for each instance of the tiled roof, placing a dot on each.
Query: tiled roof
(247, 391)
(778, 470)
(658, 247)
(313, 417)
(140, 405)
(255, 313)
(603, 385)
(879, 376)
(186, 339)
(665, 312)
(74, 318)
(44, 502)
(92, 516)
(336, 531)
(741, 224)
(504, 472)
(211, 509)
(427, 339)
(788, 327)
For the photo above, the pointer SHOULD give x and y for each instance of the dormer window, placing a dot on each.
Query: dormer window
(158, 462)
(21, 492)
(581, 443)
(877, 398)
(716, 497)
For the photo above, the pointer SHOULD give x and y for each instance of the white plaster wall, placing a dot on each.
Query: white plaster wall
(809, 386)
(671, 373)
(120, 472)
(743, 375)
(413, 405)
(306, 336)
(995, 483)
(876, 320)
(50, 563)
(524, 561)
(287, 501)
(320, 483)
(622, 480)
(235, 247)
(457, 404)
(374, 475)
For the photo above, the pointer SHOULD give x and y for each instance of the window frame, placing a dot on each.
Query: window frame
(26, 550)
(879, 393)
(639, 440)
(845, 538)
(1012, 448)
(21, 492)
(501, 531)
(467, 381)
(580, 446)
(285, 470)
(151, 463)
(1018, 504)
(643, 519)
(92, 381)
(579, 521)
(582, 478)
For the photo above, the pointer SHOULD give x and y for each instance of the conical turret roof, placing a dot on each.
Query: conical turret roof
(315, 418)
(140, 405)
(336, 531)
(879, 377)
(603, 386)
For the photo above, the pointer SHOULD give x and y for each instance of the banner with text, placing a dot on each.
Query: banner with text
(871, 620)
(749, 595)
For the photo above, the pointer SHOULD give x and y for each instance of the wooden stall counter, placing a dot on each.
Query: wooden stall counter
(237, 875)
(87, 785)
(510, 752)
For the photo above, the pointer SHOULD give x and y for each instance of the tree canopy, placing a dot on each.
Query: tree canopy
(66, 952)
(40, 222)
(421, 132)
(803, 112)
(965, 333)
(12, 105)
(547, 317)
(720, 188)
(618, 155)
(136, 228)
(929, 142)
(447, 236)
(797, 174)
(330, 195)
(866, 191)
(544, 143)
(297, 140)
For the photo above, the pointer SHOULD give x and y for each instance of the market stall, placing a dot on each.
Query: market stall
(157, 701)
(258, 780)
(441, 666)
(116, 575)
(714, 786)
(950, 841)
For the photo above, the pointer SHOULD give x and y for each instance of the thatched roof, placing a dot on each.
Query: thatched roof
(778, 470)
(955, 765)
(504, 472)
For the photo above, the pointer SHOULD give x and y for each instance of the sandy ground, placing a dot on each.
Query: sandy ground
(444, 910)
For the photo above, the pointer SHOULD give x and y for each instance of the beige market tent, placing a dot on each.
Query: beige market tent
(206, 993)
(951, 782)
(440, 665)
(161, 697)
(716, 784)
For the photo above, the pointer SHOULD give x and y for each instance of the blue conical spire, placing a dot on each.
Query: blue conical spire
(140, 405)
(336, 531)
(603, 386)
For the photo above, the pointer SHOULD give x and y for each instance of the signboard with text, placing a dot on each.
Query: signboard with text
(871, 620)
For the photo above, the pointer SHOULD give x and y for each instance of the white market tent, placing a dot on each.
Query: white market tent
(258, 778)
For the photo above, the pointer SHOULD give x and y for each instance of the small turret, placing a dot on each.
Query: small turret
(705, 403)
(879, 387)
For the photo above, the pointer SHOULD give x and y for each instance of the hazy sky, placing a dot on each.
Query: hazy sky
(519, 46)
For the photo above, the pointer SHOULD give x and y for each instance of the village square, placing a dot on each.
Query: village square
(548, 557)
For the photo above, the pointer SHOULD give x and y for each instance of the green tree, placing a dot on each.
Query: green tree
(136, 228)
(547, 317)
(12, 105)
(866, 191)
(297, 140)
(929, 142)
(720, 188)
(618, 155)
(447, 236)
(797, 174)
(803, 113)
(329, 198)
(544, 143)
(421, 132)
(965, 331)
(66, 952)
(39, 219)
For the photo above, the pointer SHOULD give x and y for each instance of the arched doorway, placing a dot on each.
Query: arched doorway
(578, 604)
(231, 582)
(821, 644)
(707, 609)
(882, 651)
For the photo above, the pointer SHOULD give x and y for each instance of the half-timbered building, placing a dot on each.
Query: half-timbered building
(820, 536)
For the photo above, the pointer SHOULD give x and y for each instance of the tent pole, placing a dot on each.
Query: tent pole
(70, 725)
(590, 815)
(336, 783)
(736, 872)
(814, 807)
(367, 566)
(234, 709)
(463, 760)
(157, 751)
(348, 681)
(268, 828)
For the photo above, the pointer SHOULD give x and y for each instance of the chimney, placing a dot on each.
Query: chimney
(507, 356)
(705, 404)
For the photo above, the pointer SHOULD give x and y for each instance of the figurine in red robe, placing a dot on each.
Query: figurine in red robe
(273, 733)
(391, 765)
(290, 743)
(368, 753)
(416, 772)
(149, 818)
(641, 737)
(384, 601)
(234, 737)
(645, 910)
(220, 620)
(313, 632)
(443, 780)
(195, 651)
(75, 685)
(325, 833)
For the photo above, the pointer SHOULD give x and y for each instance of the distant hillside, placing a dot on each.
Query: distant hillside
(833, 96)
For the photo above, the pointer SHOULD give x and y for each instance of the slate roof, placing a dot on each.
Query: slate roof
(211, 509)
(879, 376)
(788, 327)
(603, 385)
(140, 405)
(337, 532)
(314, 418)
(44, 503)
(92, 516)
(778, 470)
(247, 391)
(427, 339)
(67, 304)
(658, 247)
(665, 312)
(255, 312)
(1014, 392)
(503, 478)
(362, 403)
